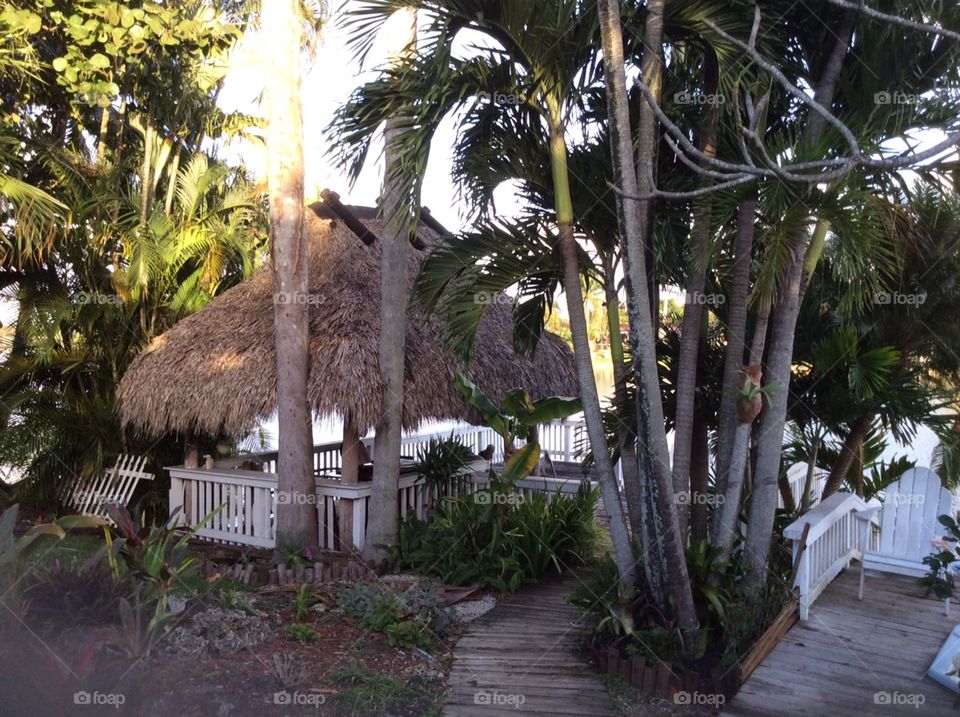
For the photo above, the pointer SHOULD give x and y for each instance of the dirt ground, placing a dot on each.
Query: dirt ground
(342, 670)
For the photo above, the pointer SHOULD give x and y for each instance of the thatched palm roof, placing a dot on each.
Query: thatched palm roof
(215, 371)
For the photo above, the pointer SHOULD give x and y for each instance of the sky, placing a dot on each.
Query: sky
(329, 78)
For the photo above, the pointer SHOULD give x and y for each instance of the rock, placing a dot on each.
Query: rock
(221, 632)
(176, 605)
(468, 611)
(185, 644)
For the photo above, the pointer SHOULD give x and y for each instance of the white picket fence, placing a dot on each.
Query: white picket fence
(560, 439)
(112, 486)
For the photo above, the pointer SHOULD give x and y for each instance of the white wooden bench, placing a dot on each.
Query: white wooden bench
(91, 495)
(907, 520)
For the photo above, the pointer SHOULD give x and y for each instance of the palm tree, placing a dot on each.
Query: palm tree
(383, 526)
(282, 31)
(843, 71)
(534, 79)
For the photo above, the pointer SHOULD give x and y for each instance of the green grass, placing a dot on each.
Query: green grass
(368, 692)
(74, 548)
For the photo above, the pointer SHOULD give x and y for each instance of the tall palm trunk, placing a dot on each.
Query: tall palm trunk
(849, 452)
(763, 503)
(296, 516)
(627, 438)
(641, 507)
(146, 171)
(102, 135)
(693, 309)
(699, 478)
(383, 523)
(172, 178)
(736, 338)
(653, 455)
(609, 490)
(729, 510)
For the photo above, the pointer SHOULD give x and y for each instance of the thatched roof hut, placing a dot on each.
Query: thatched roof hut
(215, 371)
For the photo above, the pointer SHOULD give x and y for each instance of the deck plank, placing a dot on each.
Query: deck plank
(525, 654)
(849, 651)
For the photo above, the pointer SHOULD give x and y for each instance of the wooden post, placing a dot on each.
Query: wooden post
(350, 453)
(191, 451)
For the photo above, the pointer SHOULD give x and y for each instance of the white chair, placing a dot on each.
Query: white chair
(907, 520)
(90, 496)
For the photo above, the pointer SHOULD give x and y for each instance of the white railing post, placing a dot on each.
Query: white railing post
(176, 501)
(826, 536)
(803, 577)
(359, 522)
(565, 438)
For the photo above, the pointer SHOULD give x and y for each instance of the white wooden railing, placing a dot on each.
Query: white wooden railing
(559, 438)
(825, 540)
(242, 503)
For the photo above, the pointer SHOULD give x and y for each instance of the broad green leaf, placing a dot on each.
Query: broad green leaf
(516, 403)
(45, 529)
(552, 408)
(476, 398)
(521, 463)
(100, 61)
(70, 522)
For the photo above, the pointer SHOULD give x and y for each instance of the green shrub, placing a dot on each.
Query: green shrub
(301, 633)
(409, 618)
(625, 617)
(230, 598)
(442, 462)
(77, 593)
(497, 538)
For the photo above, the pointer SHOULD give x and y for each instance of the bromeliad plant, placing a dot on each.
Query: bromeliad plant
(15, 551)
(157, 554)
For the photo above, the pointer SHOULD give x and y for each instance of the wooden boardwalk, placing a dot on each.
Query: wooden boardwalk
(522, 658)
(856, 658)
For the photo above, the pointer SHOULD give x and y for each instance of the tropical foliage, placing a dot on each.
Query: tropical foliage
(124, 220)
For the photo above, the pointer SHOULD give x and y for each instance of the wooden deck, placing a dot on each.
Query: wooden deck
(856, 658)
(521, 658)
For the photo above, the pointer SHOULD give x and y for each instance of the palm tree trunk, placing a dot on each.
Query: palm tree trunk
(729, 510)
(384, 521)
(641, 505)
(102, 135)
(763, 504)
(653, 456)
(736, 338)
(693, 309)
(848, 454)
(627, 438)
(146, 172)
(296, 516)
(172, 180)
(609, 490)
(699, 478)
